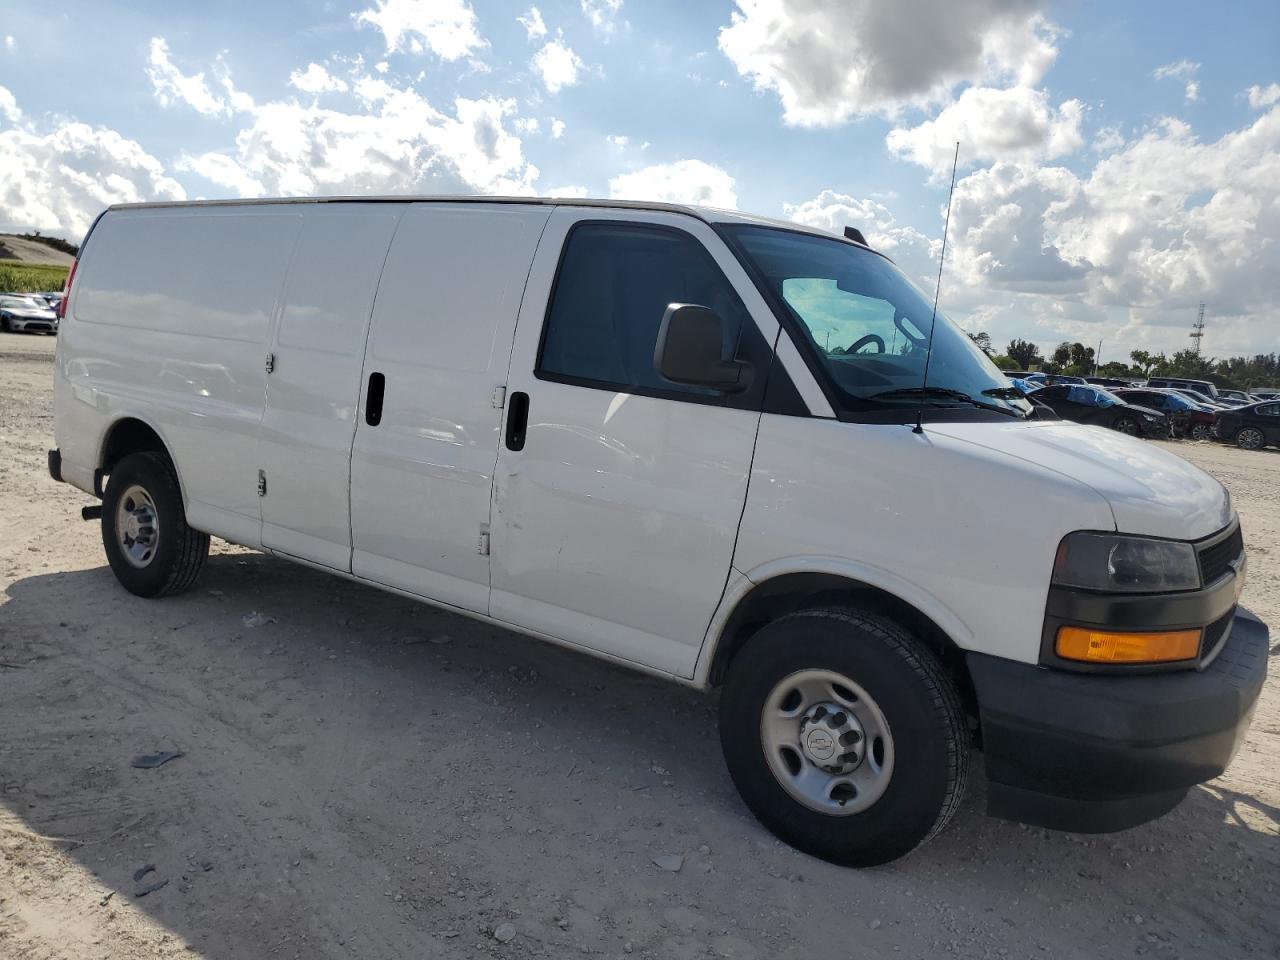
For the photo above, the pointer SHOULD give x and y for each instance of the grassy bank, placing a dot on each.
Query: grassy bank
(24, 277)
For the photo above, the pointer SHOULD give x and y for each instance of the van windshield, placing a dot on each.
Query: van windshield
(869, 326)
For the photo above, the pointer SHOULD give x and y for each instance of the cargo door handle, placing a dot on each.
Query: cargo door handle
(373, 399)
(517, 420)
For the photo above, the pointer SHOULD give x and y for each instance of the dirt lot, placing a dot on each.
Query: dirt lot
(367, 777)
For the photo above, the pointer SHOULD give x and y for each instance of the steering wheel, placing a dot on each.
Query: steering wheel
(863, 341)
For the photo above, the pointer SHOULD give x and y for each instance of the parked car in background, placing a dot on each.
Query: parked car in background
(1252, 427)
(1238, 397)
(1111, 381)
(1265, 393)
(1203, 399)
(21, 312)
(1085, 403)
(50, 297)
(1188, 418)
(1182, 383)
(1039, 377)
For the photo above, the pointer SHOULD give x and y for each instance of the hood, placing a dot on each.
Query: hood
(30, 313)
(1151, 491)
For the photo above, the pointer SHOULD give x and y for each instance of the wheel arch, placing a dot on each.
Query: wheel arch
(765, 595)
(129, 434)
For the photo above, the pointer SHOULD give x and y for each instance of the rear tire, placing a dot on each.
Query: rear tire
(1201, 431)
(893, 687)
(1250, 438)
(152, 551)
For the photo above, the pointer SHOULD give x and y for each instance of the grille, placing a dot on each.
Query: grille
(1214, 633)
(1216, 558)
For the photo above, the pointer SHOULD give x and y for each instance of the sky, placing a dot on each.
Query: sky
(1119, 162)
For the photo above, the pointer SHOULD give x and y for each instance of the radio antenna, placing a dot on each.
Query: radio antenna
(937, 291)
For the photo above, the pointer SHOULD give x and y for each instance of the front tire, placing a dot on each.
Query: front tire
(152, 551)
(1128, 426)
(844, 736)
(1201, 431)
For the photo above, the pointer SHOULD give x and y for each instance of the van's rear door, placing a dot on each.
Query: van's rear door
(422, 465)
(304, 447)
(618, 494)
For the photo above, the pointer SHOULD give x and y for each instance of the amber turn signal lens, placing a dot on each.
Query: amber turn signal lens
(1105, 646)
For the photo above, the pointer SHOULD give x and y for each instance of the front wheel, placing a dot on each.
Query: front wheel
(844, 736)
(1250, 438)
(1127, 425)
(151, 549)
(1201, 431)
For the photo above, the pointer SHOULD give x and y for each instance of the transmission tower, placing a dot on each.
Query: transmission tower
(1197, 330)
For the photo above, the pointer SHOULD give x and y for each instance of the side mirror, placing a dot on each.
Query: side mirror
(690, 349)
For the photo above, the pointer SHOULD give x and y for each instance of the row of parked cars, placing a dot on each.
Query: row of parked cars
(29, 312)
(1162, 407)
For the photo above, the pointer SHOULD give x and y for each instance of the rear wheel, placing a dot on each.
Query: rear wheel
(1250, 438)
(151, 549)
(1127, 425)
(844, 736)
(1201, 431)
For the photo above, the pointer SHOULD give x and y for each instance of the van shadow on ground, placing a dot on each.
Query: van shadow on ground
(367, 776)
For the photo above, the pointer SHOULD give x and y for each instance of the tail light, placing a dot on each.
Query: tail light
(66, 290)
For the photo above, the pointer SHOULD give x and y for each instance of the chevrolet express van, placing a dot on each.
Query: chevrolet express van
(694, 442)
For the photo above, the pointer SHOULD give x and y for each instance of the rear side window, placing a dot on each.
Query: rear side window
(614, 285)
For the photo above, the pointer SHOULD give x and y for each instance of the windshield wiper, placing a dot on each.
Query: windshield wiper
(945, 393)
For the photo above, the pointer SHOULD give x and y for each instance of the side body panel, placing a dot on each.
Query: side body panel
(314, 387)
(169, 321)
(421, 479)
(614, 527)
(953, 528)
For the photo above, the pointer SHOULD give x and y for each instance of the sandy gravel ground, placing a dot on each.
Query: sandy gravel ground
(366, 777)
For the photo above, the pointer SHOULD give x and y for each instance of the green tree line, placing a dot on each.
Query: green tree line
(1234, 373)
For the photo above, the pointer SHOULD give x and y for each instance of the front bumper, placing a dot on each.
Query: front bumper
(1099, 752)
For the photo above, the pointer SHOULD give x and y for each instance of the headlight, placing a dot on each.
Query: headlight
(1108, 561)
(1150, 418)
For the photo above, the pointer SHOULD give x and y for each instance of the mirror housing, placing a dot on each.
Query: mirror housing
(690, 350)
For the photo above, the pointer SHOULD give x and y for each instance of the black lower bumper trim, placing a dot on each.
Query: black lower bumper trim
(55, 464)
(1104, 752)
(1078, 816)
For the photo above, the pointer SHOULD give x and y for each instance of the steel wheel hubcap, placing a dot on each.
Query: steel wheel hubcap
(137, 526)
(827, 742)
(1250, 438)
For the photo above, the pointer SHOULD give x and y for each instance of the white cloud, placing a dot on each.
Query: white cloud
(399, 143)
(316, 79)
(832, 211)
(573, 193)
(1016, 123)
(448, 28)
(828, 63)
(382, 66)
(617, 139)
(58, 181)
(685, 181)
(558, 65)
(1185, 70)
(1154, 228)
(527, 124)
(533, 23)
(224, 171)
(1108, 139)
(557, 128)
(9, 106)
(1260, 97)
(1178, 70)
(172, 86)
(9, 41)
(603, 16)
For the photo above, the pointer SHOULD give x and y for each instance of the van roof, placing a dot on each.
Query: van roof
(706, 214)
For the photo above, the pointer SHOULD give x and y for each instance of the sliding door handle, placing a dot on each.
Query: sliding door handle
(373, 399)
(517, 420)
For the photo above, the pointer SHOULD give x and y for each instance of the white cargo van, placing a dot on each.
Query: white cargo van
(690, 441)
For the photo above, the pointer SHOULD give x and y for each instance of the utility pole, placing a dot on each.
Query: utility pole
(1097, 359)
(1197, 330)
